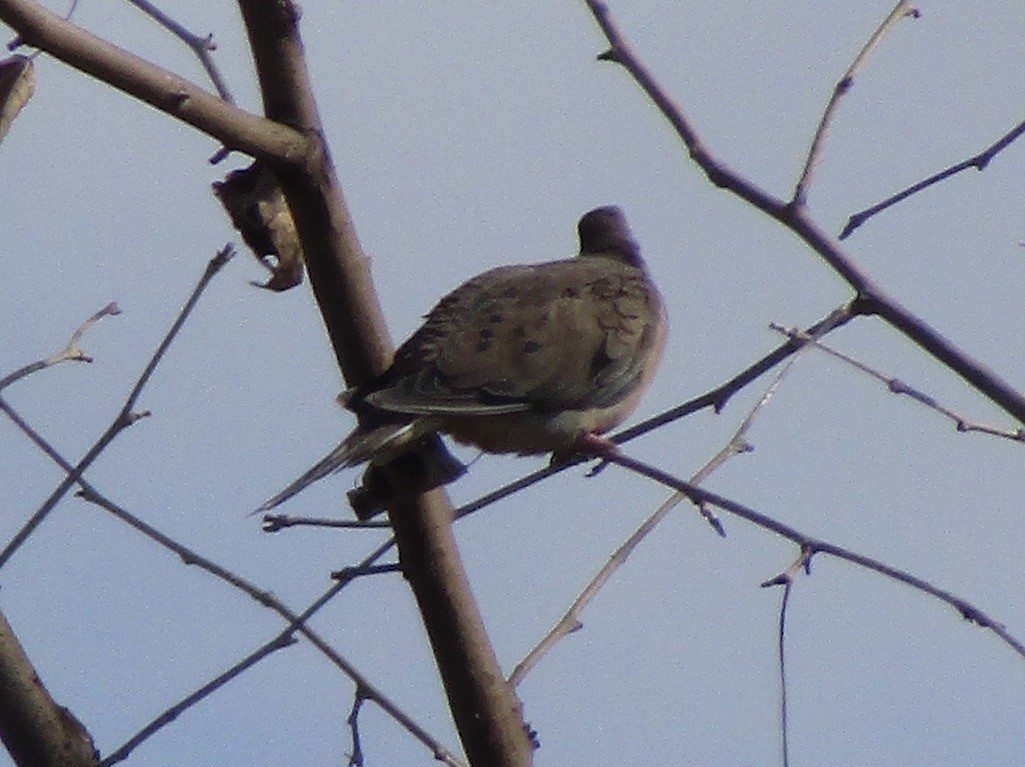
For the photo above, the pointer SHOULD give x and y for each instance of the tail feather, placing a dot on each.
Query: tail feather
(359, 447)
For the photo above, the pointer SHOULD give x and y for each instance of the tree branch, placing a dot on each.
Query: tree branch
(811, 546)
(979, 162)
(902, 10)
(36, 731)
(234, 127)
(484, 706)
(871, 298)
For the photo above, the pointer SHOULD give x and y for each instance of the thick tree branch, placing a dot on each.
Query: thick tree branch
(234, 127)
(485, 708)
(36, 731)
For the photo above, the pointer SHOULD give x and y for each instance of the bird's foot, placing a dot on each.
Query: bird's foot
(586, 447)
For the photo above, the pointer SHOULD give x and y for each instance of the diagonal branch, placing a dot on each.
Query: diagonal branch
(125, 418)
(902, 10)
(897, 386)
(201, 46)
(871, 298)
(979, 162)
(814, 546)
(570, 621)
(234, 127)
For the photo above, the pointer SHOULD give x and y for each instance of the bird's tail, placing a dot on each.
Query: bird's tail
(359, 447)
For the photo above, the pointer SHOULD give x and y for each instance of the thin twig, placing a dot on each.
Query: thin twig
(125, 418)
(897, 386)
(272, 523)
(902, 10)
(201, 46)
(71, 352)
(815, 546)
(784, 728)
(356, 757)
(979, 162)
(870, 298)
(570, 621)
(786, 579)
(296, 622)
(172, 713)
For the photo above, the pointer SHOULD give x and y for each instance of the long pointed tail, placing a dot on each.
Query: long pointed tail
(359, 447)
(333, 461)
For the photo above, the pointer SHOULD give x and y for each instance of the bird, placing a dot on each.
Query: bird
(526, 359)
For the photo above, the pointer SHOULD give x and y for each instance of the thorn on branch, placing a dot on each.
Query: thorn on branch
(615, 55)
(223, 256)
(219, 156)
(711, 518)
(973, 615)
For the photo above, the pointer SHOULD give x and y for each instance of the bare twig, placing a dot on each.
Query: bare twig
(201, 46)
(356, 757)
(871, 298)
(902, 10)
(786, 579)
(125, 418)
(814, 546)
(172, 713)
(897, 386)
(71, 352)
(570, 621)
(979, 162)
(272, 523)
(296, 622)
(784, 728)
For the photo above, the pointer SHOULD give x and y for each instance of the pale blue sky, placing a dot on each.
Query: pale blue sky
(470, 135)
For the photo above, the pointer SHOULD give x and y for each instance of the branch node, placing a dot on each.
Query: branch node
(136, 415)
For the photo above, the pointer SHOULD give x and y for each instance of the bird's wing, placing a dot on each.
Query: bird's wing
(568, 334)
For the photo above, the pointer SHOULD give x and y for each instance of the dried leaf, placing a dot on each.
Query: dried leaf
(258, 210)
(17, 83)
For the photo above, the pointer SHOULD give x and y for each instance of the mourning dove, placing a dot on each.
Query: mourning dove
(520, 359)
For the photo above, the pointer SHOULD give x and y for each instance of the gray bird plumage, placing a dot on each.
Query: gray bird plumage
(522, 359)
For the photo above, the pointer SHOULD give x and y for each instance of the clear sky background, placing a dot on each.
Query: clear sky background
(469, 135)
